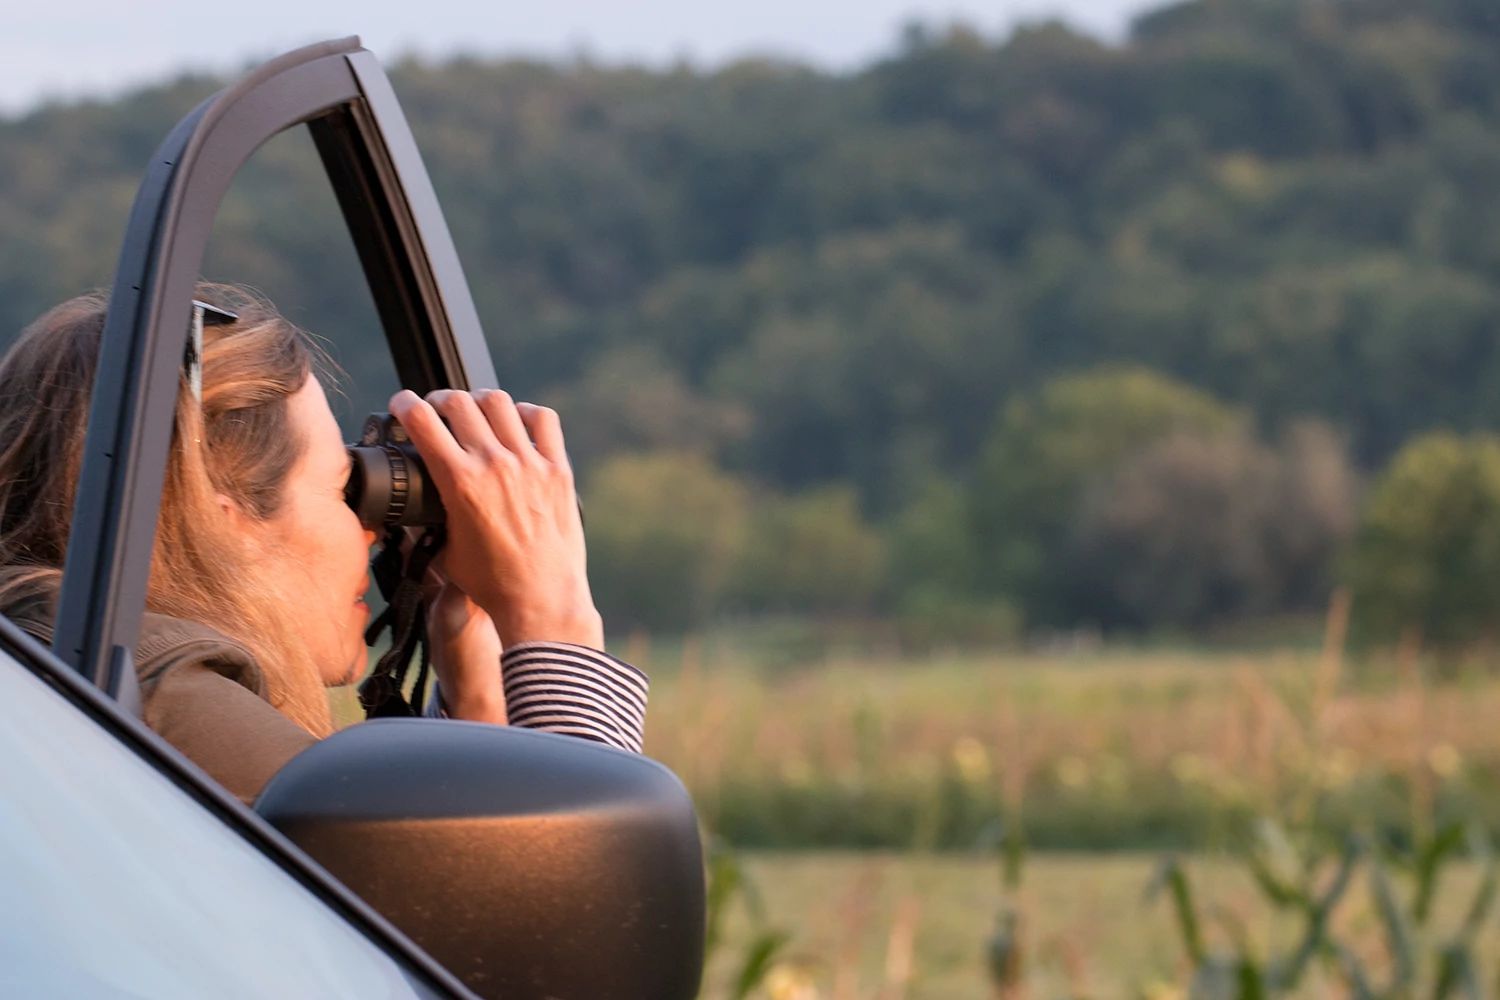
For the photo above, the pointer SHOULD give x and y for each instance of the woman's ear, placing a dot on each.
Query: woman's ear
(234, 513)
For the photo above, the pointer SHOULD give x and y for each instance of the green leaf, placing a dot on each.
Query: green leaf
(1457, 975)
(759, 958)
(1171, 877)
(1281, 894)
(1278, 868)
(1003, 951)
(1398, 929)
(1252, 983)
(1013, 851)
(1315, 933)
(1489, 883)
(1354, 974)
(1277, 847)
(725, 880)
(1429, 864)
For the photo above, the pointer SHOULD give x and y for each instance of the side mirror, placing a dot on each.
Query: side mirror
(529, 864)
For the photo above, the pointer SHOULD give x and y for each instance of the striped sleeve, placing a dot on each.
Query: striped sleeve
(575, 690)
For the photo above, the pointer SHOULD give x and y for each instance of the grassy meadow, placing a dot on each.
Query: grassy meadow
(886, 925)
(866, 793)
(1091, 749)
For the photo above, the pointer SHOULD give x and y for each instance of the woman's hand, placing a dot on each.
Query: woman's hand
(515, 541)
(466, 654)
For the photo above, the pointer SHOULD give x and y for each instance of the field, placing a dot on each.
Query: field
(882, 925)
(867, 794)
(1094, 749)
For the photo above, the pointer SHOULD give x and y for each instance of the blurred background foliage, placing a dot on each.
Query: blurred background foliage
(1086, 335)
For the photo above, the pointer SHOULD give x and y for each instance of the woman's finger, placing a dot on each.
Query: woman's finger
(468, 424)
(432, 439)
(504, 420)
(545, 428)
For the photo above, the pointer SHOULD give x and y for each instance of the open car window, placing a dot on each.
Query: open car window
(339, 92)
(282, 199)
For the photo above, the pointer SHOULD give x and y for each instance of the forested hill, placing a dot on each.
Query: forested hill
(813, 279)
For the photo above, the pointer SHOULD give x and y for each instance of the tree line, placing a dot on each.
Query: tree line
(992, 332)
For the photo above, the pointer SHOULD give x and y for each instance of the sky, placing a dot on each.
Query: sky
(96, 48)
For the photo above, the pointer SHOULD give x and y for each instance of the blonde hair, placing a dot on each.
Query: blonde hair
(238, 443)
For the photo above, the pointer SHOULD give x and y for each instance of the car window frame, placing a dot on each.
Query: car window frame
(339, 91)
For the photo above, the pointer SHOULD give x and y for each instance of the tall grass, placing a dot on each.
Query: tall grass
(1105, 749)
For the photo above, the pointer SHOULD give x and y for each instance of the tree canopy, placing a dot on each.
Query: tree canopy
(854, 285)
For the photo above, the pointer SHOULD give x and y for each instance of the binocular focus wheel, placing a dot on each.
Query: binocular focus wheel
(400, 485)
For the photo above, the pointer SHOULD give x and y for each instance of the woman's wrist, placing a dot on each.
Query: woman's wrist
(487, 705)
(582, 626)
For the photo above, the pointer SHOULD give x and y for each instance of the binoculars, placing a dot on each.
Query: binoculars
(388, 483)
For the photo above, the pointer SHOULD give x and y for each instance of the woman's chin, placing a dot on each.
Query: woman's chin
(352, 671)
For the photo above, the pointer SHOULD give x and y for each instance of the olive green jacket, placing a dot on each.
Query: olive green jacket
(203, 693)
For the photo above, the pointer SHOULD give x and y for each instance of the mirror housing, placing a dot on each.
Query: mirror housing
(528, 864)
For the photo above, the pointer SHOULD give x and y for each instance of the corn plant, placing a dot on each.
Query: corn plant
(1004, 951)
(1290, 881)
(1425, 959)
(728, 883)
(1412, 958)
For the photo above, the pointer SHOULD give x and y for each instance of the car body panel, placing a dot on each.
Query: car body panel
(121, 883)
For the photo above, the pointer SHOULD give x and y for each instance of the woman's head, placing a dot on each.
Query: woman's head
(253, 537)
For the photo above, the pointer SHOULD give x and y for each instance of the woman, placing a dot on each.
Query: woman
(256, 596)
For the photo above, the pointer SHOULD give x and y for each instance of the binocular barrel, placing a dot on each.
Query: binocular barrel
(388, 482)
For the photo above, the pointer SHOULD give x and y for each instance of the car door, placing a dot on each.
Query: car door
(132, 873)
(635, 909)
(340, 93)
(129, 874)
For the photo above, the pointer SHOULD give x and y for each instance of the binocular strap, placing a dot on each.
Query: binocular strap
(405, 615)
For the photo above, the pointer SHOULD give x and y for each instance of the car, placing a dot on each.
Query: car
(398, 857)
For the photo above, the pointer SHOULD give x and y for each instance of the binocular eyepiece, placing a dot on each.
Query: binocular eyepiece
(388, 483)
